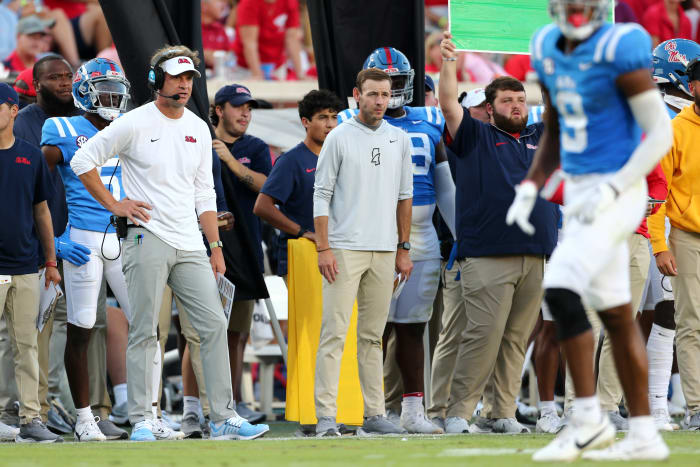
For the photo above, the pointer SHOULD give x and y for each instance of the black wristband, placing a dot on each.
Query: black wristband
(321, 251)
(302, 231)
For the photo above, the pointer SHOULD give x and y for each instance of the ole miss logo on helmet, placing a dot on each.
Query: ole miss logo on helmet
(190, 139)
(673, 54)
(184, 60)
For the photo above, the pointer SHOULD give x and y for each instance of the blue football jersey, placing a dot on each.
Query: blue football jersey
(598, 130)
(425, 126)
(84, 212)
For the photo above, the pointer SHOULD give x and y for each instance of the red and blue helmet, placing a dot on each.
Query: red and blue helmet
(581, 24)
(99, 86)
(396, 65)
(670, 62)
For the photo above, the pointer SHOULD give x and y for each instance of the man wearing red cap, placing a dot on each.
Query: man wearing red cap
(24, 85)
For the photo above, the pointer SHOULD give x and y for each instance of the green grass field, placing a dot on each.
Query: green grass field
(278, 449)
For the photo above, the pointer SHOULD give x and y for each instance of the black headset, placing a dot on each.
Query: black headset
(156, 75)
(692, 69)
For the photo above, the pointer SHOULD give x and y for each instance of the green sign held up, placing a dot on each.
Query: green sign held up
(500, 26)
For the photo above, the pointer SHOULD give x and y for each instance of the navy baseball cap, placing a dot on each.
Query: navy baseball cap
(429, 83)
(8, 95)
(235, 94)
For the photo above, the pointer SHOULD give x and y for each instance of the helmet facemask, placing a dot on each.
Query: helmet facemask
(401, 88)
(579, 25)
(109, 97)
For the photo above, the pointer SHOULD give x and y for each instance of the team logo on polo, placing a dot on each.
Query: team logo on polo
(190, 139)
(80, 140)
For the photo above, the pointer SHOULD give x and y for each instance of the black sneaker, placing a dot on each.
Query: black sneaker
(111, 431)
(36, 432)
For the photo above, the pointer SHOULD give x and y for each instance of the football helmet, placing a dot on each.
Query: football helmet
(670, 61)
(396, 65)
(579, 26)
(100, 87)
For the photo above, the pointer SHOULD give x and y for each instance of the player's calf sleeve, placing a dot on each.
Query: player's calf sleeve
(568, 312)
(660, 354)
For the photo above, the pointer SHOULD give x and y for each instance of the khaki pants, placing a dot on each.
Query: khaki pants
(454, 322)
(369, 277)
(148, 266)
(192, 338)
(503, 296)
(19, 304)
(686, 292)
(609, 388)
(8, 386)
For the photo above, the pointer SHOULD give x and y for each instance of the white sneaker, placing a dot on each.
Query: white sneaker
(163, 432)
(393, 417)
(87, 430)
(8, 433)
(575, 438)
(457, 425)
(549, 422)
(631, 448)
(416, 422)
(663, 421)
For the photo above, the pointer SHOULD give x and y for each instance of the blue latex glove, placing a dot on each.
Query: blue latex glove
(68, 250)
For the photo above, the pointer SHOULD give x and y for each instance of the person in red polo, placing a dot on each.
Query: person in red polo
(31, 31)
(265, 30)
(666, 20)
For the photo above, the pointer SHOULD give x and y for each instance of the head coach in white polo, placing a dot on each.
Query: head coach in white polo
(167, 155)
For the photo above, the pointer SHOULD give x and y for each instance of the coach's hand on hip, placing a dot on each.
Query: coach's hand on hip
(327, 265)
(404, 265)
(135, 211)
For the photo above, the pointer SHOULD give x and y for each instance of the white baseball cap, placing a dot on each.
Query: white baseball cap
(474, 98)
(178, 65)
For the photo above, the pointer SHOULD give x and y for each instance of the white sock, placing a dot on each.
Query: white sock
(191, 404)
(120, 394)
(643, 427)
(677, 398)
(547, 407)
(587, 409)
(84, 414)
(660, 353)
(412, 402)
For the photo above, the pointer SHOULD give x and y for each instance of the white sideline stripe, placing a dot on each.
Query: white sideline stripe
(473, 452)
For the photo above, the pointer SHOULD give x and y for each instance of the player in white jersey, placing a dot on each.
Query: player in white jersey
(591, 73)
(102, 91)
(432, 182)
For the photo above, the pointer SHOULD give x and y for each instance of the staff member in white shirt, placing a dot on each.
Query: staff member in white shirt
(167, 156)
(363, 191)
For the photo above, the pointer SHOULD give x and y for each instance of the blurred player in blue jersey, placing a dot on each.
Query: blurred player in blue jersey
(598, 91)
(101, 90)
(432, 182)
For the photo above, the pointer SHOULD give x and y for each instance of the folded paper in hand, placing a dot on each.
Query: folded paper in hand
(226, 292)
(47, 300)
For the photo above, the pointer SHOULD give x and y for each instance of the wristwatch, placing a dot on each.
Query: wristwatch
(404, 246)
(216, 244)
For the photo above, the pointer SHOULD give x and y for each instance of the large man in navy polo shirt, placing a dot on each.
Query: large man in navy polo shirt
(26, 221)
(291, 182)
(501, 267)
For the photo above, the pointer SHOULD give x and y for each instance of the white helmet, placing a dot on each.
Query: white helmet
(579, 26)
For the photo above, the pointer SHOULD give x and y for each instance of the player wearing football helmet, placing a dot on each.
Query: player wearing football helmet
(596, 73)
(101, 90)
(670, 60)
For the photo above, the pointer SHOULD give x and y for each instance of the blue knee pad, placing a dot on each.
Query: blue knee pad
(568, 312)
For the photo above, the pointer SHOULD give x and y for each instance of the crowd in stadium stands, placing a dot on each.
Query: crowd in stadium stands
(42, 45)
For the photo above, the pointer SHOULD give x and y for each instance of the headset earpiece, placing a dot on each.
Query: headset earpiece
(156, 75)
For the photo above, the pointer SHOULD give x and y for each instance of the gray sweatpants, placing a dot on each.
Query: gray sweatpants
(148, 266)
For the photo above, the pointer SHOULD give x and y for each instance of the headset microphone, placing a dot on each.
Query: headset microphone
(175, 97)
